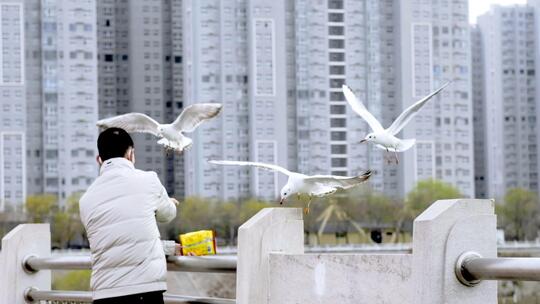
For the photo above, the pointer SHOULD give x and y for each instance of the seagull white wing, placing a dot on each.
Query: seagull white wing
(251, 164)
(322, 190)
(194, 115)
(131, 122)
(409, 113)
(361, 110)
(339, 181)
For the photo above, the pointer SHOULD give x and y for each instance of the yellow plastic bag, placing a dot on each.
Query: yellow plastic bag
(198, 243)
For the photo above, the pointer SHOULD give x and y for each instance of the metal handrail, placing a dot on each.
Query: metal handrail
(215, 263)
(471, 268)
(33, 295)
(33, 263)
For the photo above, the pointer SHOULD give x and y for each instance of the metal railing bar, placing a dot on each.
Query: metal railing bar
(471, 268)
(225, 264)
(33, 263)
(177, 299)
(216, 263)
(34, 295)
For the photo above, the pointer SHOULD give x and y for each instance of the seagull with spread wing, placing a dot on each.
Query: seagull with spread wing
(314, 185)
(171, 135)
(386, 138)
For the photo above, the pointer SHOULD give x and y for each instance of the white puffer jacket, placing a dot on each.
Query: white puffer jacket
(119, 212)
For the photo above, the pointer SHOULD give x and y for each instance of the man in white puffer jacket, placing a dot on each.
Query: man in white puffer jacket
(119, 212)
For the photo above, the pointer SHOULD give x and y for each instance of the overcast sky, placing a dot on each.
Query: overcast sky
(479, 7)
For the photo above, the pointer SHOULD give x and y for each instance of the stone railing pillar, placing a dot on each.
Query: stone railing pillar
(441, 234)
(270, 230)
(24, 240)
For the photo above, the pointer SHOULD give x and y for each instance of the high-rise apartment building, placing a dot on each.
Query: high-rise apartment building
(535, 4)
(509, 99)
(479, 117)
(391, 53)
(236, 54)
(12, 104)
(435, 48)
(61, 96)
(140, 70)
(345, 42)
(49, 98)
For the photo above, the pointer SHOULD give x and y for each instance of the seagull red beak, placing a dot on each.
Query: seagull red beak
(363, 141)
(281, 201)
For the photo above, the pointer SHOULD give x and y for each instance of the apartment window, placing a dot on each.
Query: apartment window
(338, 136)
(337, 96)
(336, 83)
(338, 109)
(336, 57)
(336, 43)
(339, 149)
(335, 4)
(303, 134)
(108, 57)
(51, 182)
(335, 17)
(49, 55)
(339, 162)
(337, 70)
(338, 123)
(50, 154)
(336, 30)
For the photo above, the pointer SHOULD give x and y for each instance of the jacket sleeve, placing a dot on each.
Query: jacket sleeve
(164, 207)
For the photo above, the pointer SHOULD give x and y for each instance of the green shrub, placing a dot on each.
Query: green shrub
(73, 280)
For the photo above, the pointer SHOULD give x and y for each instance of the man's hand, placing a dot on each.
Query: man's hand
(174, 201)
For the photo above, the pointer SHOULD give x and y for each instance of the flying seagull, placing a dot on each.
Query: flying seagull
(386, 138)
(171, 135)
(315, 185)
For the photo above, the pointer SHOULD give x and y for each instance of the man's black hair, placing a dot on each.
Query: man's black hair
(113, 142)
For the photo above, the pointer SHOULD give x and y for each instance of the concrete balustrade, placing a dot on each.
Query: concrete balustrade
(23, 241)
(444, 231)
(270, 230)
(272, 267)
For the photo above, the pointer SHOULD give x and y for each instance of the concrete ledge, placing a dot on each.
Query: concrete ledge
(340, 278)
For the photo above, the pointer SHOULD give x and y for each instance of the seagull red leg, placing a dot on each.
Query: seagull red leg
(388, 159)
(306, 210)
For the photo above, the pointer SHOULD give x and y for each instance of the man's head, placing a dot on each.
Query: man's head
(115, 142)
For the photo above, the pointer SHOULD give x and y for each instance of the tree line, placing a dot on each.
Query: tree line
(518, 213)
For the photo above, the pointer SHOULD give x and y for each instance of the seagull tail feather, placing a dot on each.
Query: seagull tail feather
(365, 176)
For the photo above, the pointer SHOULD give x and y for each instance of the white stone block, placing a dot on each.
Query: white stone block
(16, 245)
(270, 230)
(440, 234)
